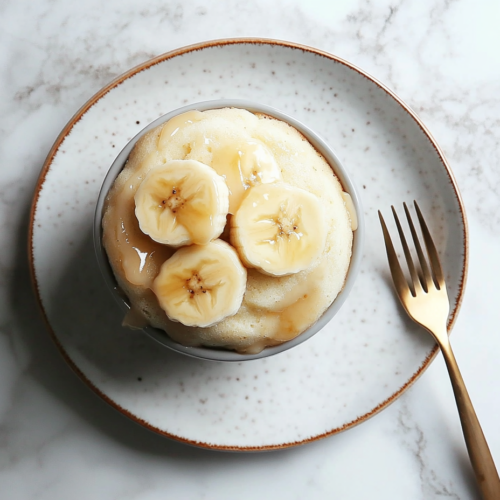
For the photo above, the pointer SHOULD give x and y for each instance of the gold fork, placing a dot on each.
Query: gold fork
(425, 300)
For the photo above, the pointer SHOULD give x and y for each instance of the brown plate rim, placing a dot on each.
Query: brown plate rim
(220, 43)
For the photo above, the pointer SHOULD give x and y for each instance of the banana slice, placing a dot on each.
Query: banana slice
(182, 202)
(244, 165)
(201, 285)
(279, 229)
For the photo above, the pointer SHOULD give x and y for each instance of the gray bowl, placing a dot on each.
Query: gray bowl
(320, 145)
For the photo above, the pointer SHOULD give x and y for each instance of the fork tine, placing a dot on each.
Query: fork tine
(427, 278)
(409, 260)
(431, 250)
(397, 274)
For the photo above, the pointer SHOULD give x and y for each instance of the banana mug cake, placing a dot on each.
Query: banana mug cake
(227, 229)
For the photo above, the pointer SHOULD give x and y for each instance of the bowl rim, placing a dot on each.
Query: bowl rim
(219, 354)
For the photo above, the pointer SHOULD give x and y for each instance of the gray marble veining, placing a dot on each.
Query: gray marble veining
(59, 441)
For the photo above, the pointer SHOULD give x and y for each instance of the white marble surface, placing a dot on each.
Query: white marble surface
(58, 440)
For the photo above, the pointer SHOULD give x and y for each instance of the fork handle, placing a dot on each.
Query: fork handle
(479, 453)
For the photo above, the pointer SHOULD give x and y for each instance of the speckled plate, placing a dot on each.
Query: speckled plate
(358, 364)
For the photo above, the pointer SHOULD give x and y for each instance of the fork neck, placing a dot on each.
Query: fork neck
(440, 333)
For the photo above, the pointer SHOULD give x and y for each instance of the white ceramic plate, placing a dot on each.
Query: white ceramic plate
(359, 363)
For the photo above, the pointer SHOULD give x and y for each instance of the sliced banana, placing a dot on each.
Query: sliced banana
(201, 285)
(279, 229)
(244, 164)
(182, 202)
